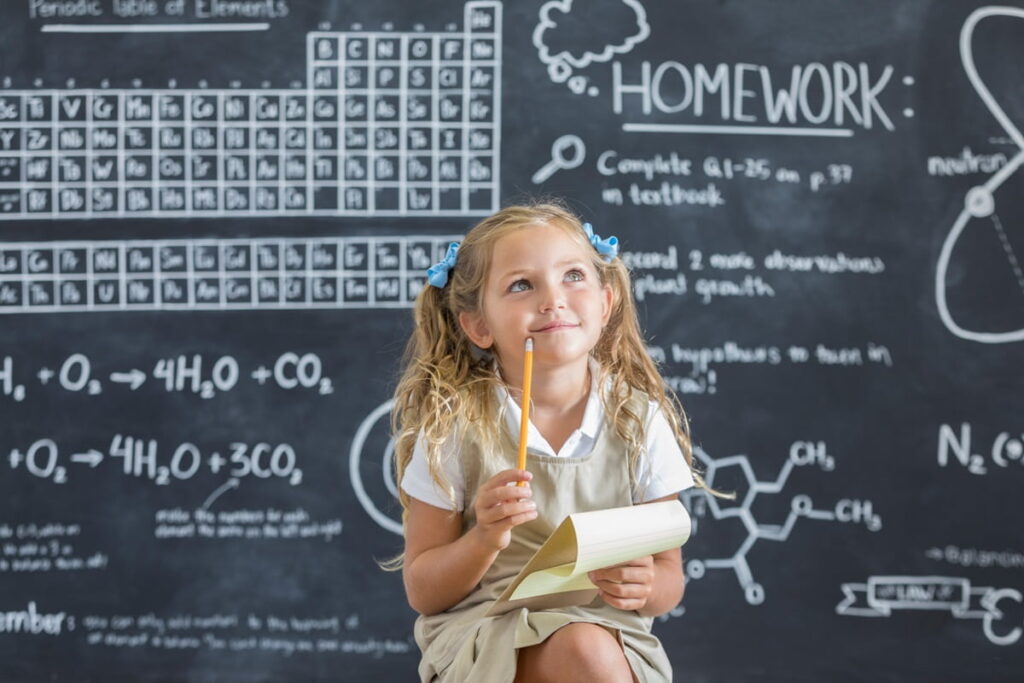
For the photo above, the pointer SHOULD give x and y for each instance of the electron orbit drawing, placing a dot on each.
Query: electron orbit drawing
(377, 494)
(979, 213)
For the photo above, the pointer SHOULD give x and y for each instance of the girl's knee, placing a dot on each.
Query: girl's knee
(576, 652)
(587, 641)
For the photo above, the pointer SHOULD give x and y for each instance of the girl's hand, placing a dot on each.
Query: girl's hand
(499, 507)
(626, 586)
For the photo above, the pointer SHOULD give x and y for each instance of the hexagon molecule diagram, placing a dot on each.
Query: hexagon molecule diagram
(701, 504)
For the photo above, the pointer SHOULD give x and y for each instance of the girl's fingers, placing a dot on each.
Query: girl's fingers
(500, 505)
(521, 518)
(626, 574)
(625, 605)
(640, 570)
(624, 596)
(506, 477)
(501, 493)
(507, 511)
(626, 586)
(624, 591)
(508, 494)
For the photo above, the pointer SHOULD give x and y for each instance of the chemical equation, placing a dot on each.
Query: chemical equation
(192, 374)
(957, 448)
(230, 274)
(144, 459)
(387, 124)
(801, 453)
(883, 595)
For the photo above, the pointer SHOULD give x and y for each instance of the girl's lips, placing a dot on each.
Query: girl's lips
(554, 327)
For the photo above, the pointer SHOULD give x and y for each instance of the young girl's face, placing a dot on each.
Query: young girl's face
(541, 284)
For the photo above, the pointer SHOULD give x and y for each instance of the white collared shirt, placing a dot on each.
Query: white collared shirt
(661, 471)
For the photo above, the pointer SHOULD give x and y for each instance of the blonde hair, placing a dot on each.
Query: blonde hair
(447, 386)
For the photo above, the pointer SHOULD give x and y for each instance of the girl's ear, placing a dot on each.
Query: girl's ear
(475, 327)
(606, 302)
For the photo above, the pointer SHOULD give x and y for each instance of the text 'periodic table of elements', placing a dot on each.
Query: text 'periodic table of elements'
(388, 124)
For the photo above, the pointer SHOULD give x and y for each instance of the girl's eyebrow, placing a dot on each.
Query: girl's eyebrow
(522, 271)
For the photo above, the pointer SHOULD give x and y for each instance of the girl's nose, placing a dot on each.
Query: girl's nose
(551, 298)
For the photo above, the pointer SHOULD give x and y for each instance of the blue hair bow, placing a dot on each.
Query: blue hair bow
(437, 274)
(608, 248)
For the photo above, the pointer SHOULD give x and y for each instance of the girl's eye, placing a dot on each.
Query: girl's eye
(519, 286)
(574, 275)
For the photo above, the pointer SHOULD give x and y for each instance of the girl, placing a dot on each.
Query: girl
(603, 434)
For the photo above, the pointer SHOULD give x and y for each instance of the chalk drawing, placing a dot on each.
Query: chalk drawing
(979, 209)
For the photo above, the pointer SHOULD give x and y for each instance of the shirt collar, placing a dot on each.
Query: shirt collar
(591, 424)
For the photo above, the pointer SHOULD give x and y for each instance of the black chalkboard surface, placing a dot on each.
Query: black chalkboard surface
(214, 216)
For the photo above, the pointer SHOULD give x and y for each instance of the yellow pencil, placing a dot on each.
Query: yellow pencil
(524, 422)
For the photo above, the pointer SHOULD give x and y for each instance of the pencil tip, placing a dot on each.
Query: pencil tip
(529, 343)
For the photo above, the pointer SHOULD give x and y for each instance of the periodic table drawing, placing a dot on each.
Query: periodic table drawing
(389, 123)
(216, 274)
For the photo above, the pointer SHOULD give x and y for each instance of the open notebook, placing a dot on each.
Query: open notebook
(556, 575)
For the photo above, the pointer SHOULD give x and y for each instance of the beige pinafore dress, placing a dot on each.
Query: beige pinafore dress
(460, 645)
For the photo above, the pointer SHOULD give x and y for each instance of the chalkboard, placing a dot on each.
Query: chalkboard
(214, 217)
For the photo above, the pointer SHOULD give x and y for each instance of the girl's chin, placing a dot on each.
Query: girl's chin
(553, 349)
(559, 355)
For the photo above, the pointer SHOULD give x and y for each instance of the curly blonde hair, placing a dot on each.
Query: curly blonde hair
(447, 386)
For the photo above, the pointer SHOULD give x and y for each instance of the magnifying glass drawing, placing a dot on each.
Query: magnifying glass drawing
(567, 152)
